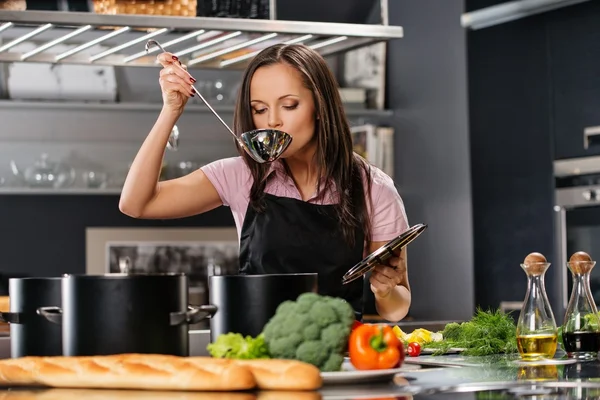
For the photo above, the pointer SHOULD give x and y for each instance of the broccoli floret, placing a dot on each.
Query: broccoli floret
(313, 329)
(305, 301)
(334, 336)
(323, 314)
(312, 352)
(333, 363)
(285, 346)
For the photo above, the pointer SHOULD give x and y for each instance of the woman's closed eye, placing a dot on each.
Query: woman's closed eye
(263, 110)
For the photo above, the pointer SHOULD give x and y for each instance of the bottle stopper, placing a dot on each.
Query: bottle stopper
(533, 258)
(535, 264)
(580, 263)
(580, 256)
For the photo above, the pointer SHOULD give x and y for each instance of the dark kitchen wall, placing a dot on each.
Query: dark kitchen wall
(44, 235)
(533, 86)
(511, 153)
(427, 89)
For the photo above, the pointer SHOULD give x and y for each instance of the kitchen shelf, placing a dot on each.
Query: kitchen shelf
(221, 43)
(65, 191)
(131, 106)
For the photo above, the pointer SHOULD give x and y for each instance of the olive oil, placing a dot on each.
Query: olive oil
(534, 347)
(537, 334)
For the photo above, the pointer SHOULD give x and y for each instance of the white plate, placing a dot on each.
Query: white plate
(427, 352)
(349, 374)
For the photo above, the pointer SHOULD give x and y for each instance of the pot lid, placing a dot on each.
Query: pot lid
(382, 254)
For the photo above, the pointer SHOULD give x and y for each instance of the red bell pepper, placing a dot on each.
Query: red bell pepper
(375, 347)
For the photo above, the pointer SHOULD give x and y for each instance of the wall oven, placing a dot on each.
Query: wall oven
(577, 221)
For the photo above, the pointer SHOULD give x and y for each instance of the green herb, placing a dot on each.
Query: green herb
(488, 332)
(591, 322)
(234, 345)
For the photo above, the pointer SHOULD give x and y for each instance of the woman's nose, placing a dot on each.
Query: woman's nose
(274, 120)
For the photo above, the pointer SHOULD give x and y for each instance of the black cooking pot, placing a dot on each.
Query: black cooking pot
(30, 333)
(247, 302)
(125, 313)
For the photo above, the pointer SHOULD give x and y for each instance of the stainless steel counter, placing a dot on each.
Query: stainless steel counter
(442, 377)
(452, 377)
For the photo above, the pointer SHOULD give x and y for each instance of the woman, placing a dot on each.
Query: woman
(319, 208)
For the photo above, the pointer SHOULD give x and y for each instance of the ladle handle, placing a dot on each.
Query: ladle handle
(157, 44)
(213, 111)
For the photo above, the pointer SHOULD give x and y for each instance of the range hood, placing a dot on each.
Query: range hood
(511, 11)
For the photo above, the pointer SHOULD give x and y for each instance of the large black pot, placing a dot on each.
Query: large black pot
(30, 333)
(247, 302)
(125, 313)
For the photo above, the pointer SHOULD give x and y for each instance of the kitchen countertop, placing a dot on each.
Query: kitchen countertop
(451, 377)
(426, 377)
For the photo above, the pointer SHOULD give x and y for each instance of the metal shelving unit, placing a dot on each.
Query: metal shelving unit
(59, 37)
(118, 40)
(131, 106)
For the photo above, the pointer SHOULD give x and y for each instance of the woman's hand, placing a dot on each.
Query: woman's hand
(175, 82)
(384, 278)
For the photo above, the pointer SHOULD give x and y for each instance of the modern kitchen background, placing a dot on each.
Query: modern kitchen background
(479, 117)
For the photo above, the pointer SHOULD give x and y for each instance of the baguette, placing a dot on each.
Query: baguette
(128, 371)
(99, 394)
(288, 395)
(279, 374)
(103, 394)
(4, 304)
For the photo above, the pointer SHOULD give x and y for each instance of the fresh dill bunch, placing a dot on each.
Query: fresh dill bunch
(488, 332)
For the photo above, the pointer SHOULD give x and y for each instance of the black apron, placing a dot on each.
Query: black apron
(294, 236)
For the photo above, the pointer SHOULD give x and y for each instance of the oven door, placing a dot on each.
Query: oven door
(577, 224)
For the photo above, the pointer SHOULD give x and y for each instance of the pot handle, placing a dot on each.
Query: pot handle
(52, 314)
(193, 315)
(11, 317)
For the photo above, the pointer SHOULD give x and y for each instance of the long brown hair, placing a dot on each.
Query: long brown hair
(334, 155)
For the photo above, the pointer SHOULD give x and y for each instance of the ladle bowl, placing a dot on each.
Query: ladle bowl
(263, 145)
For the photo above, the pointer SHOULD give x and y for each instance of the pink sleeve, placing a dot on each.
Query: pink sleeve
(388, 218)
(229, 176)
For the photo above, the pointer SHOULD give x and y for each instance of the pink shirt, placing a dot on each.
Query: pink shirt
(232, 180)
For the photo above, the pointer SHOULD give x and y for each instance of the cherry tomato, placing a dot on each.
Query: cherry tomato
(414, 349)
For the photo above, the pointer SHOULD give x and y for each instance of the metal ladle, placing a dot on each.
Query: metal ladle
(263, 145)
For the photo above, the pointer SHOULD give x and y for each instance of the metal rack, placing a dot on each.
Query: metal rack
(118, 40)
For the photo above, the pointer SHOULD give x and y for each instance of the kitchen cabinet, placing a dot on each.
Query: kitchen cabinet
(574, 67)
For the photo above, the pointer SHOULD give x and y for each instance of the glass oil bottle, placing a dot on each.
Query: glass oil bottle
(537, 334)
(581, 329)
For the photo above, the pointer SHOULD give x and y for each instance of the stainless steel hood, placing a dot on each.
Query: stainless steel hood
(511, 11)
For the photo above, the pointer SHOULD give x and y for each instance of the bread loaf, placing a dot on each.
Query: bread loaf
(159, 372)
(276, 374)
(4, 303)
(128, 371)
(109, 394)
(288, 395)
